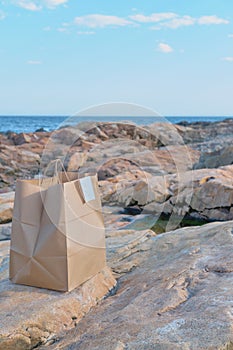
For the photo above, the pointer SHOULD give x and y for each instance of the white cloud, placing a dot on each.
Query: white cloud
(228, 59)
(62, 30)
(230, 35)
(173, 21)
(101, 21)
(34, 62)
(179, 22)
(54, 3)
(86, 33)
(153, 18)
(212, 20)
(29, 5)
(2, 15)
(47, 29)
(165, 48)
(37, 5)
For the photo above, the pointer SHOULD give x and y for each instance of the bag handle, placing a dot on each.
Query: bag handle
(56, 172)
(82, 192)
(56, 161)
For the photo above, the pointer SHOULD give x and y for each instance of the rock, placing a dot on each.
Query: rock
(167, 160)
(6, 211)
(141, 191)
(167, 133)
(215, 159)
(22, 156)
(134, 210)
(76, 161)
(157, 208)
(26, 157)
(54, 312)
(129, 130)
(6, 207)
(141, 222)
(127, 248)
(87, 145)
(137, 145)
(5, 232)
(18, 162)
(32, 316)
(22, 138)
(67, 136)
(7, 197)
(214, 193)
(178, 297)
(41, 130)
(204, 132)
(100, 133)
(205, 193)
(111, 158)
(115, 167)
(112, 189)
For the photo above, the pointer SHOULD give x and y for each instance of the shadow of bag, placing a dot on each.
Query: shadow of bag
(58, 236)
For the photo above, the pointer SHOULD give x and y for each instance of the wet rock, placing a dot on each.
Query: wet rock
(141, 222)
(134, 210)
(41, 130)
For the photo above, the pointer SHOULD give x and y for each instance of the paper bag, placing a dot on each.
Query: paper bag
(58, 236)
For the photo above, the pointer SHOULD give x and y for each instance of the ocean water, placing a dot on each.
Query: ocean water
(32, 123)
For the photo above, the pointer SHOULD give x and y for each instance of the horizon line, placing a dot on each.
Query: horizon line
(117, 116)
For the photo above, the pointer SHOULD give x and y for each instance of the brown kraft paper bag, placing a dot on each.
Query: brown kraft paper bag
(58, 236)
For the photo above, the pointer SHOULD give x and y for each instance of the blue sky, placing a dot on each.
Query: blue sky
(60, 56)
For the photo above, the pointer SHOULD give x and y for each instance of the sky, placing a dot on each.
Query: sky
(60, 56)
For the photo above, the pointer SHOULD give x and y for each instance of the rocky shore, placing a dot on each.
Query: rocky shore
(159, 169)
(173, 289)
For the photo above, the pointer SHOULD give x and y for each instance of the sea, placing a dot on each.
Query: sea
(26, 124)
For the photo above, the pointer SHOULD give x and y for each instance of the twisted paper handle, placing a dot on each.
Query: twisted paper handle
(56, 172)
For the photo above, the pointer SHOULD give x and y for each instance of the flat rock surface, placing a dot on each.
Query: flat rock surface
(32, 316)
(179, 297)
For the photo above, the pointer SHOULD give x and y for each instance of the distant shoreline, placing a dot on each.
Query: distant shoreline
(27, 124)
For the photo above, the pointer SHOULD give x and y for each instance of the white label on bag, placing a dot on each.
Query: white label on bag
(87, 188)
